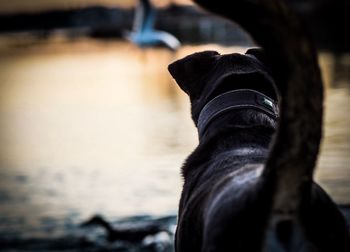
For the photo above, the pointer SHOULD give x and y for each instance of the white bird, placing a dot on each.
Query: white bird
(143, 33)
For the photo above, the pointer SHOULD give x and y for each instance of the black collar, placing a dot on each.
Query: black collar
(234, 100)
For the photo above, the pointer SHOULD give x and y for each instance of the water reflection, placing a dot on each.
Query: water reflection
(91, 127)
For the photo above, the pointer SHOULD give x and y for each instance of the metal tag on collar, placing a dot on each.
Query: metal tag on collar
(266, 102)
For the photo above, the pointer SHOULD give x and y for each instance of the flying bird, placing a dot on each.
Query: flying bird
(143, 33)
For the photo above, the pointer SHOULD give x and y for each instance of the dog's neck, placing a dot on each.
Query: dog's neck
(235, 100)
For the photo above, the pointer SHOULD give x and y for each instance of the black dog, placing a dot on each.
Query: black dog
(239, 193)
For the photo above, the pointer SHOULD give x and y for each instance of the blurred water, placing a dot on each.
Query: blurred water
(92, 127)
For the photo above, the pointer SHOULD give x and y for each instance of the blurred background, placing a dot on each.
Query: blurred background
(91, 123)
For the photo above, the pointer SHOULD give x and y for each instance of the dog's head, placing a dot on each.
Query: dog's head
(205, 75)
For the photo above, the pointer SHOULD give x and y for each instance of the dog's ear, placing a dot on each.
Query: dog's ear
(190, 70)
(260, 55)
